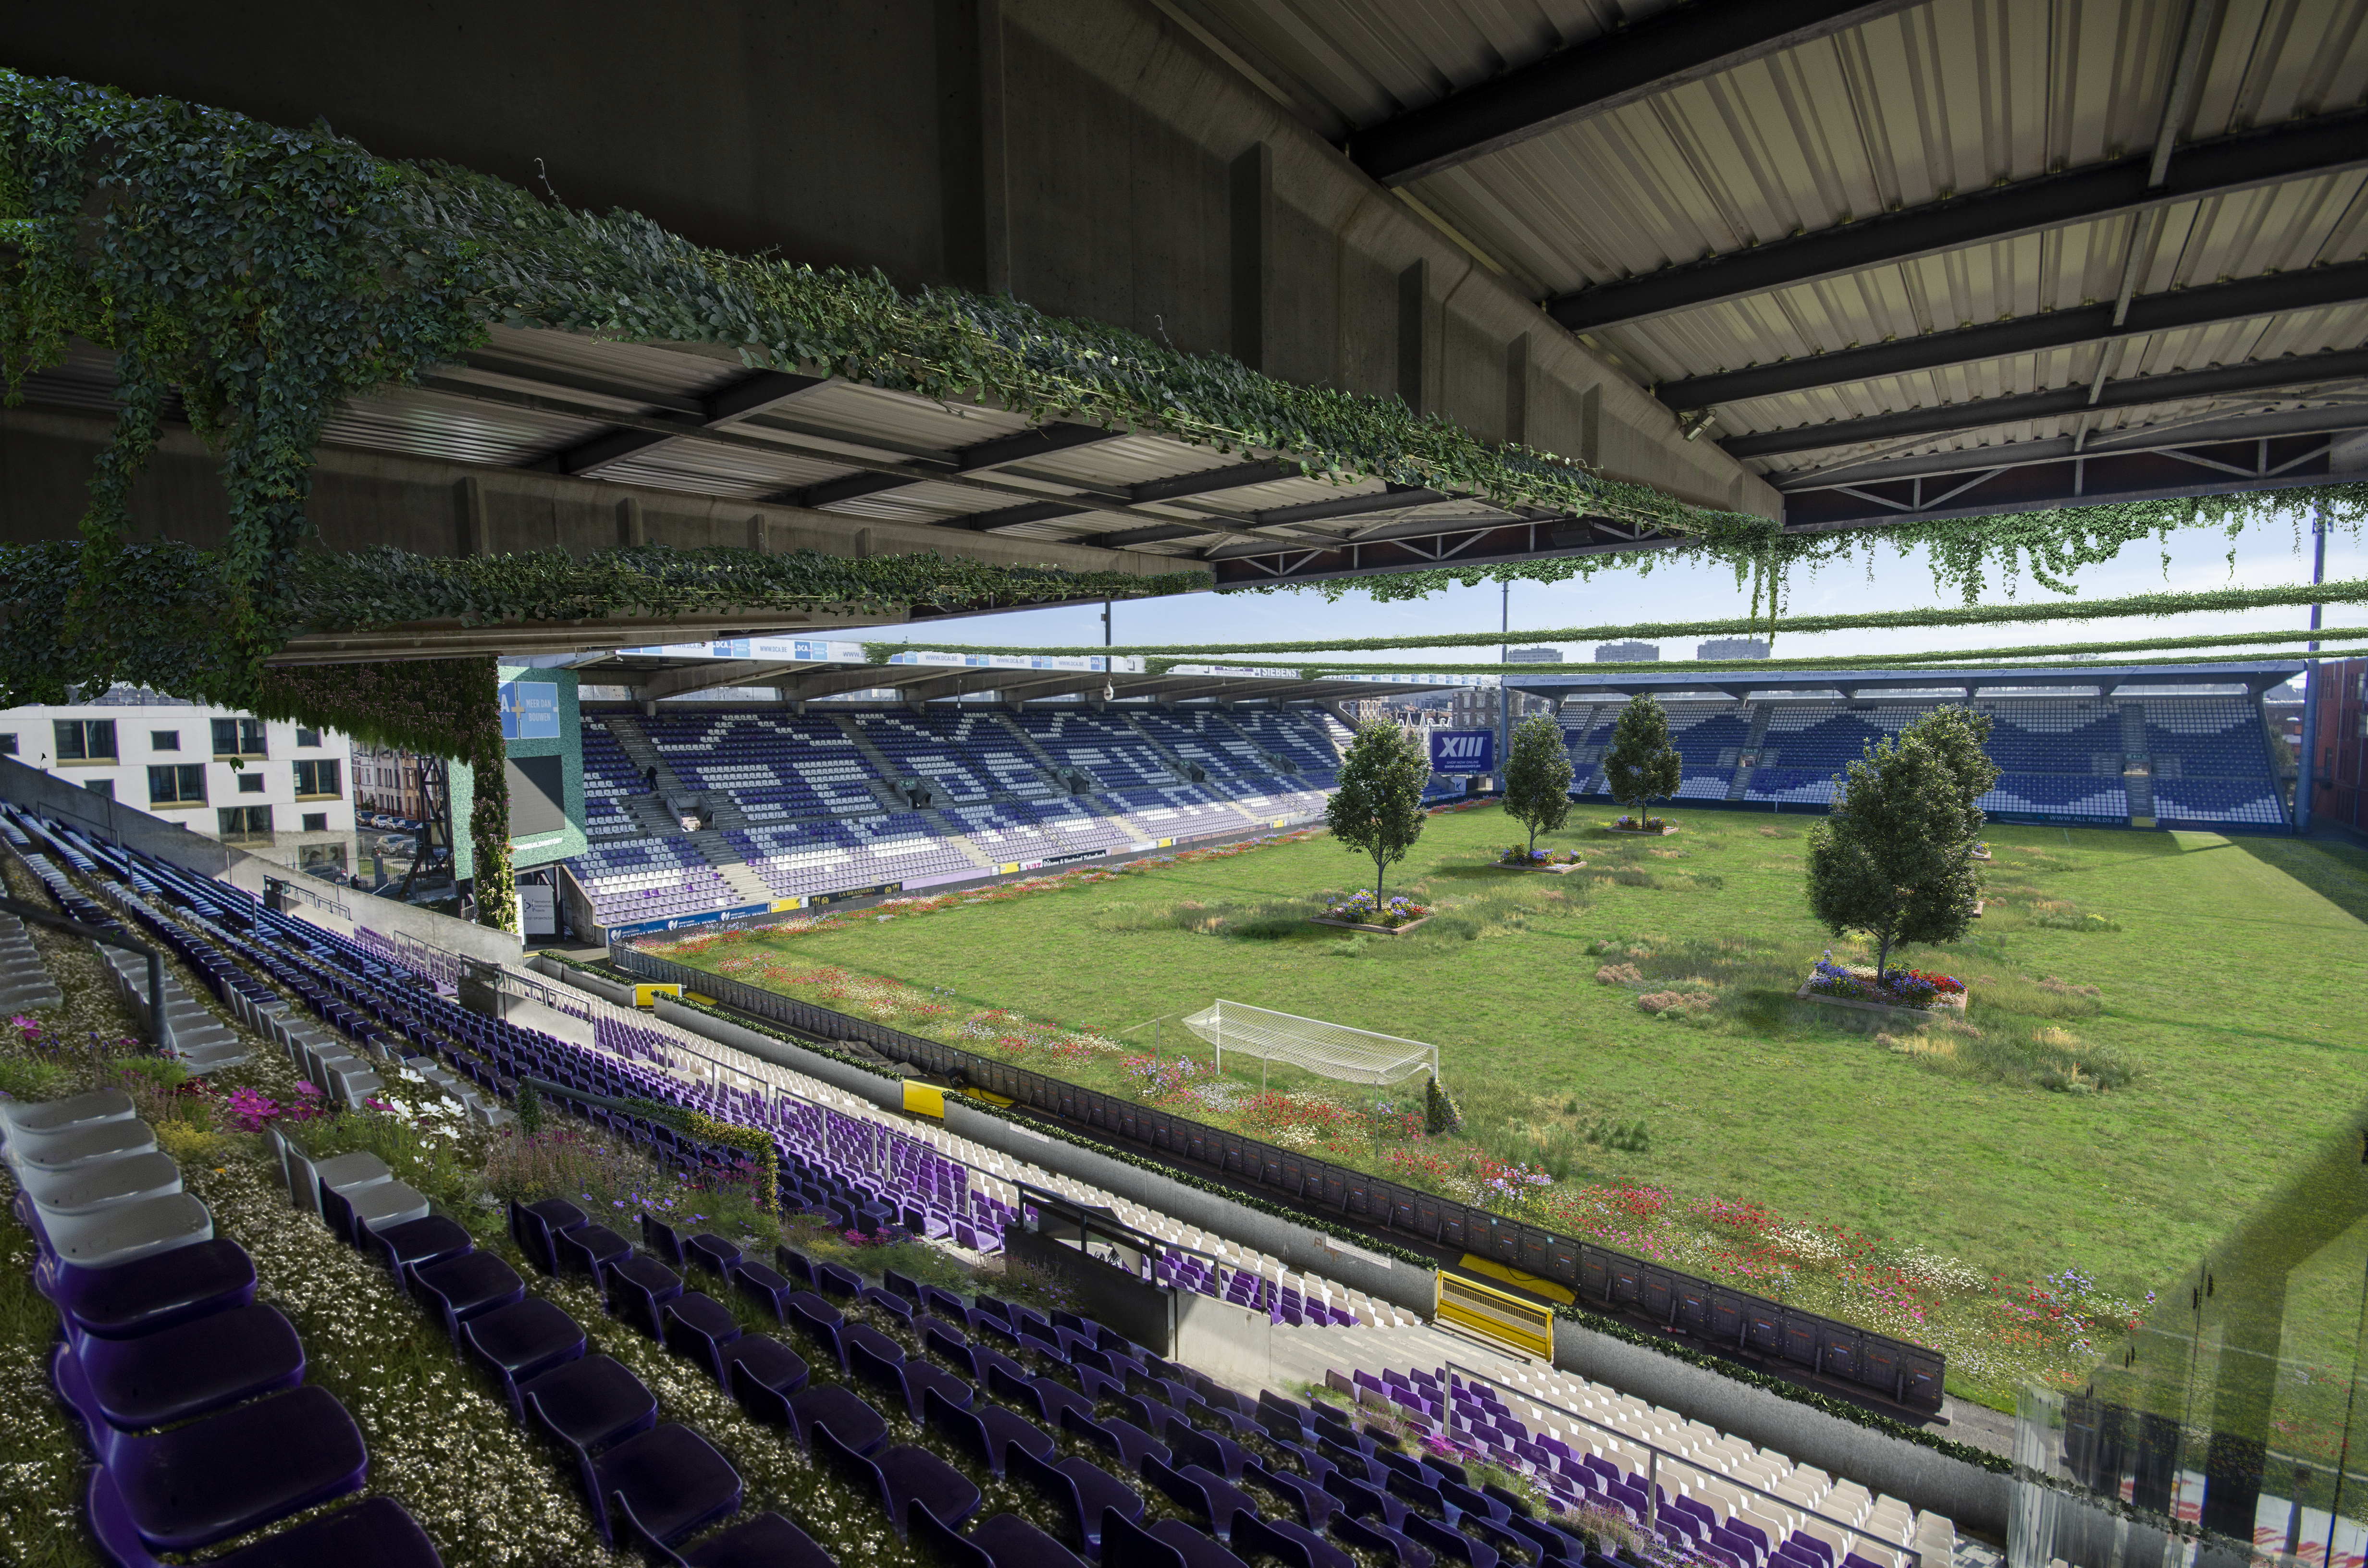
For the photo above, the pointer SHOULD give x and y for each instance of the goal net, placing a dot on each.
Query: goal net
(1331, 1050)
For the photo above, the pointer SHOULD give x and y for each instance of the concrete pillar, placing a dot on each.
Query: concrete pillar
(1413, 335)
(469, 505)
(1517, 390)
(1251, 189)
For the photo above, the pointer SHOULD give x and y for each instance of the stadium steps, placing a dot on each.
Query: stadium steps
(1176, 765)
(2140, 790)
(726, 859)
(1044, 760)
(642, 754)
(1760, 712)
(1280, 766)
(649, 813)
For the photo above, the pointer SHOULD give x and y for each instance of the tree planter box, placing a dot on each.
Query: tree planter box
(1554, 870)
(1981, 855)
(1661, 832)
(1377, 930)
(1881, 1009)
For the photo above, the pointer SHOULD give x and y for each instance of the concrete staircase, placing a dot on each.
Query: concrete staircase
(642, 754)
(2139, 788)
(1760, 713)
(1043, 759)
(726, 858)
(1176, 764)
(1280, 766)
(24, 981)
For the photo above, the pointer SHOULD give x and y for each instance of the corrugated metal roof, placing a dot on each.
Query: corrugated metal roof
(1941, 98)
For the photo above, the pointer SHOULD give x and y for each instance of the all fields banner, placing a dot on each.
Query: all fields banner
(1463, 751)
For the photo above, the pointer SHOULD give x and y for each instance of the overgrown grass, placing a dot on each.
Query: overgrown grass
(2097, 1107)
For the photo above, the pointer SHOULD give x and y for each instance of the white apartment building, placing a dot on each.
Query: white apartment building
(215, 772)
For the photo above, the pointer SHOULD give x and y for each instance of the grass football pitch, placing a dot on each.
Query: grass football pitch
(2159, 1026)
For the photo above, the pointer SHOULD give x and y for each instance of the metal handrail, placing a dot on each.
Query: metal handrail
(1653, 1477)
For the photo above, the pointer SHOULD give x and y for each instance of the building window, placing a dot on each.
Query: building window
(102, 786)
(315, 779)
(238, 737)
(250, 783)
(86, 740)
(9, 744)
(318, 822)
(176, 784)
(164, 740)
(307, 737)
(246, 822)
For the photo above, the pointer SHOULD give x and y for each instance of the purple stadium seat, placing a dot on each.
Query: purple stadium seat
(1308, 1499)
(178, 1373)
(533, 1225)
(589, 1402)
(637, 1288)
(1374, 1536)
(587, 1249)
(673, 1479)
(1220, 1454)
(768, 1287)
(987, 1433)
(374, 1533)
(755, 1366)
(659, 1237)
(1124, 1541)
(151, 1293)
(854, 1422)
(522, 1341)
(1083, 1492)
(836, 1279)
(1293, 1545)
(457, 1289)
(769, 1541)
(699, 1326)
(711, 1253)
(419, 1241)
(237, 1470)
(1126, 1442)
(1446, 1543)
(901, 1479)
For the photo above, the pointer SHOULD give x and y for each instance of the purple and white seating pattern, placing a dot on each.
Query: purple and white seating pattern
(650, 879)
(1708, 1497)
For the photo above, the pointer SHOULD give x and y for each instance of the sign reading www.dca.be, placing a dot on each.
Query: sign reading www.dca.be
(1463, 751)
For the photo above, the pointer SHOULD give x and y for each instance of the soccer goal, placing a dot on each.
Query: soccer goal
(1330, 1050)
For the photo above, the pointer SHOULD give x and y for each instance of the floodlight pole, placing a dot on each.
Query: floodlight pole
(2306, 763)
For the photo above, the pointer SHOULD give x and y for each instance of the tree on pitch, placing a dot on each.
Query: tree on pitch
(1378, 807)
(1537, 777)
(1962, 737)
(1896, 858)
(1642, 766)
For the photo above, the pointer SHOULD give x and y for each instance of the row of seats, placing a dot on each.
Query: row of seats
(191, 1394)
(814, 826)
(1708, 1494)
(2058, 758)
(322, 948)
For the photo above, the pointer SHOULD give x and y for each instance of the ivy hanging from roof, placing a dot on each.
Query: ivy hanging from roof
(261, 275)
(2171, 602)
(155, 622)
(1965, 553)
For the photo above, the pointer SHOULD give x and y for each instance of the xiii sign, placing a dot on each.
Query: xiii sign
(1463, 751)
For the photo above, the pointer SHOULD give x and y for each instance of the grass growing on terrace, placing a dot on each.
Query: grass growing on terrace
(2157, 1024)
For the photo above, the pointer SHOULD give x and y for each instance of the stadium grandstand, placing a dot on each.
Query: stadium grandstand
(838, 779)
(2098, 745)
(731, 803)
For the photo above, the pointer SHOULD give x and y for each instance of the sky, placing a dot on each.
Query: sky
(2266, 556)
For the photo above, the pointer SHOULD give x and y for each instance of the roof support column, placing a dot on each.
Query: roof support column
(1251, 178)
